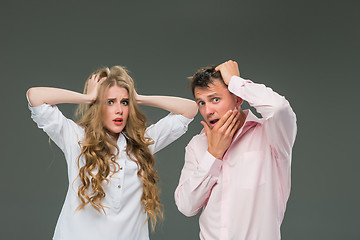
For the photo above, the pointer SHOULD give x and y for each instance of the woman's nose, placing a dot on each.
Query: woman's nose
(118, 109)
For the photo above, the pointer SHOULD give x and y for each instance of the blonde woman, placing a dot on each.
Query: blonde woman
(109, 152)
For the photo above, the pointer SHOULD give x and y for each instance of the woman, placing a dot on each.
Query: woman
(109, 152)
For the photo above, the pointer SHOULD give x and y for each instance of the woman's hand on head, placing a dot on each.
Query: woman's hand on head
(93, 86)
(137, 97)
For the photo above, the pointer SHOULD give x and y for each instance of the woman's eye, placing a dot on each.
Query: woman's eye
(110, 102)
(125, 102)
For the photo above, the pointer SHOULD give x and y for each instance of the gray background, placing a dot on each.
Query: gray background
(306, 50)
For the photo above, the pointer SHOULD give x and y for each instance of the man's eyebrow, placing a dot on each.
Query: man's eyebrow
(212, 95)
(208, 96)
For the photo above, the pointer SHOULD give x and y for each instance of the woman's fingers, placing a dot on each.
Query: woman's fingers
(102, 80)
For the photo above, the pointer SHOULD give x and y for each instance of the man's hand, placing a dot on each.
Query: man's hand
(220, 136)
(227, 70)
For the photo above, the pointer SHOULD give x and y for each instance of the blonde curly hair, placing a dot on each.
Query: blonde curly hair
(100, 150)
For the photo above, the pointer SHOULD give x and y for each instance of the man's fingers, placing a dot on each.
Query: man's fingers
(231, 124)
(223, 119)
(235, 128)
(229, 120)
(218, 67)
(226, 64)
(206, 127)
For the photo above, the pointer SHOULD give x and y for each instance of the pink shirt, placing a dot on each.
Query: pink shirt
(243, 196)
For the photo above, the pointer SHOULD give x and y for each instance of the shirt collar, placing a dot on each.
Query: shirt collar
(250, 117)
(122, 139)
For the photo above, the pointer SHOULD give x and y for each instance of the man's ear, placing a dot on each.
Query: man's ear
(239, 101)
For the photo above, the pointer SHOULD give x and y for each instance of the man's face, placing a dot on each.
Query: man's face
(214, 101)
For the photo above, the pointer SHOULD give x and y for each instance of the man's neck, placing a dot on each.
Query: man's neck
(242, 118)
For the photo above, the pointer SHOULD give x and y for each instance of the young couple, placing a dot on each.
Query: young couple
(237, 170)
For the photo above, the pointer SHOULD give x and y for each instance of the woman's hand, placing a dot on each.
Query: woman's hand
(93, 86)
(137, 97)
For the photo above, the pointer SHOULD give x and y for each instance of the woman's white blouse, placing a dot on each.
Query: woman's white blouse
(125, 217)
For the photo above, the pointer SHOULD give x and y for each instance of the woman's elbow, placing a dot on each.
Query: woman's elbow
(192, 110)
(31, 94)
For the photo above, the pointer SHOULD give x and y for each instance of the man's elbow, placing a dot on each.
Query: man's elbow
(186, 211)
(185, 207)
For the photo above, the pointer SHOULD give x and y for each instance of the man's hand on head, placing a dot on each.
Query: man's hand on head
(221, 135)
(227, 70)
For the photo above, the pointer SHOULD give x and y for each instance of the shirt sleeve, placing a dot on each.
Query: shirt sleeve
(198, 176)
(62, 131)
(167, 130)
(279, 118)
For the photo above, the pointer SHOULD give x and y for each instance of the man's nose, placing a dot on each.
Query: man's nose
(209, 110)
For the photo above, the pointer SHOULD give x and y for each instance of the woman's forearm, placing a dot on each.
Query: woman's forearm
(177, 105)
(40, 95)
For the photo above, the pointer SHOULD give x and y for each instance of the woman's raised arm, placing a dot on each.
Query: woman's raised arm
(40, 95)
(177, 105)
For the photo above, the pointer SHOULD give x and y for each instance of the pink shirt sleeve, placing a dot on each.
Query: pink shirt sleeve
(200, 173)
(279, 118)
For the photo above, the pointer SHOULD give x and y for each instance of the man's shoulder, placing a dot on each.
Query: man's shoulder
(198, 139)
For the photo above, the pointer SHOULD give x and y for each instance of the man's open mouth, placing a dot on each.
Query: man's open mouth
(214, 121)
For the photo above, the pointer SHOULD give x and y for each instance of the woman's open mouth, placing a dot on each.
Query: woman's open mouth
(118, 121)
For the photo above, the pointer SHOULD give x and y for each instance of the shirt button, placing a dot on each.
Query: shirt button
(120, 168)
(119, 186)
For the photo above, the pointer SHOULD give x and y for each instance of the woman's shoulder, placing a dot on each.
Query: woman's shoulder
(51, 116)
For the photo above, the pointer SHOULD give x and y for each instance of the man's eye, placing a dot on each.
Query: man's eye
(201, 103)
(216, 100)
(126, 102)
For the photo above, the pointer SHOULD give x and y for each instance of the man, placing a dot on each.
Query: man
(237, 170)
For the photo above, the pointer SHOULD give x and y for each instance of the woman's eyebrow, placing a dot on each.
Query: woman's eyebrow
(122, 99)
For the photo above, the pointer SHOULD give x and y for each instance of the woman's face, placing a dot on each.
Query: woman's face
(115, 110)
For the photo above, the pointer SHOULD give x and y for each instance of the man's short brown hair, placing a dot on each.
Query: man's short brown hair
(204, 77)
